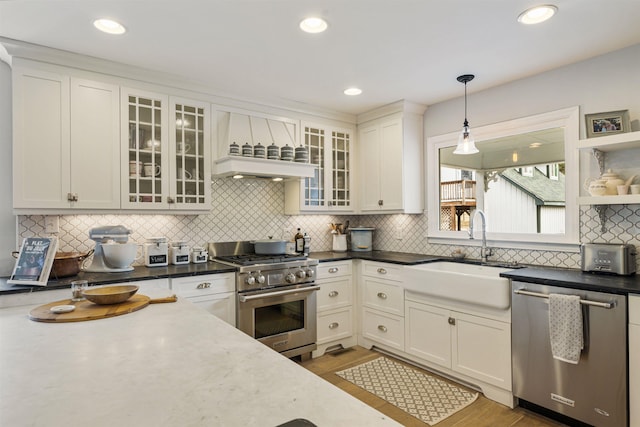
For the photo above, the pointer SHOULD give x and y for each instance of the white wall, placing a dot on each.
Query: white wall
(7, 219)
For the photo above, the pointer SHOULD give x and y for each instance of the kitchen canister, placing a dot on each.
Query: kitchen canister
(339, 242)
(199, 254)
(247, 150)
(302, 154)
(286, 153)
(259, 151)
(156, 252)
(361, 238)
(234, 149)
(273, 152)
(179, 253)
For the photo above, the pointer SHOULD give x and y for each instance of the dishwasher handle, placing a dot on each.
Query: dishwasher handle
(582, 301)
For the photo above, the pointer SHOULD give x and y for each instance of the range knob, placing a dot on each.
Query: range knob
(309, 272)
(301, 274)
(261, 279)
(250, 280)
(290, 278)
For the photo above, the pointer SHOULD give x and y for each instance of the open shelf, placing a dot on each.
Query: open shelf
(627, 199)
(620, 141)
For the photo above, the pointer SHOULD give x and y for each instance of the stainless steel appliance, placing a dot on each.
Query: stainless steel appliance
(593, 391)
(276, 302)
(608, 258)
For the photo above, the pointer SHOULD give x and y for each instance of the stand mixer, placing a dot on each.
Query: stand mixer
(114, 237)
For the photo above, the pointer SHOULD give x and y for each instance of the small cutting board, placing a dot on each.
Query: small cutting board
(86, 310)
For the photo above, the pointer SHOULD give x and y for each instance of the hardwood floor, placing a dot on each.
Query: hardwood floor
(482, 413)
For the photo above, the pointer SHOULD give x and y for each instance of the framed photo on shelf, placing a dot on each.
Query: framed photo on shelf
(608, 123)
(34, 261)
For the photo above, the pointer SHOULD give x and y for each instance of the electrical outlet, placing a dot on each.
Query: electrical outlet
(52, 224)
(399, 233)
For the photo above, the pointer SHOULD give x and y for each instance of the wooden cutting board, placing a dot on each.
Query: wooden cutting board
(86, 310)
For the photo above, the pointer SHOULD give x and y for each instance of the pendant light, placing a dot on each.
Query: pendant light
(466, 143)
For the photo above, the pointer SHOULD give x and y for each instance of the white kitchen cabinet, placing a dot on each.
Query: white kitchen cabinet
(335, 314)
(66, 141)
(331, 187)
(165, 152)
(215, 293)
(391, 162)
(471, 345)
(634, 360)
(382, 300)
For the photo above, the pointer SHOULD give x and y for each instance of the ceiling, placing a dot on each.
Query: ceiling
(391, 49)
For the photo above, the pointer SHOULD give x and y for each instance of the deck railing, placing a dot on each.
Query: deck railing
(459, 192)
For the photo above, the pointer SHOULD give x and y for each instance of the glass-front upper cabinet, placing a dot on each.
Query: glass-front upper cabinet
(330, 187)
(145, 124)
(167, 144)
(190, 148)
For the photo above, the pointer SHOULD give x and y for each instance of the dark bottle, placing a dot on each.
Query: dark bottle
(299, 239)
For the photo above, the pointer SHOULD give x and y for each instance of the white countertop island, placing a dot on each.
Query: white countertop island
(165, 365)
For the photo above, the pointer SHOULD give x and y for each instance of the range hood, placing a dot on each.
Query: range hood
(252, 167)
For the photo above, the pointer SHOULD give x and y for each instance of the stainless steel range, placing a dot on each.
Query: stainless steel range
(276, 302)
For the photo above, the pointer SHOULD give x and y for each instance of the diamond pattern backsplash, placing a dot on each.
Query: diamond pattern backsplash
(253, 208)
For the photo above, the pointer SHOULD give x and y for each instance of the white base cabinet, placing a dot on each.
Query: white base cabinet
(335, 318)
(215, 293)
(634, 361)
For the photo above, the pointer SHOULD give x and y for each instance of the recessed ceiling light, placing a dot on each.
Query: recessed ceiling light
(109, 26)
(537, 14)
(535, 145)
(313, 25)
(352, 91)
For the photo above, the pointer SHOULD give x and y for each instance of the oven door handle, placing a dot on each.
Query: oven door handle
(243, 298)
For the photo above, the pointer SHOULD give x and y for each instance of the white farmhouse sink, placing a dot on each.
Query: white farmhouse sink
(468, 283)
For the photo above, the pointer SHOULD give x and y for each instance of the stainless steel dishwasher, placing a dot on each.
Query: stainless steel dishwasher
(593, 391)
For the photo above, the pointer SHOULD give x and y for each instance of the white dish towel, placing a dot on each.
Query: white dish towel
(565, 327)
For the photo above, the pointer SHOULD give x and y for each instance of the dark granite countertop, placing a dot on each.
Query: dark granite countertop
(404, 258)
(139, 273)
(576, 279)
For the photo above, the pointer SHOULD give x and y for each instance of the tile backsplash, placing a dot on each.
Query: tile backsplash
(252, 209)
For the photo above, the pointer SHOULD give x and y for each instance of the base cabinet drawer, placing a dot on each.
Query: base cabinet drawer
(335, 325)
(334, 293)
(383, 295)
(215, 293)
(384, 328)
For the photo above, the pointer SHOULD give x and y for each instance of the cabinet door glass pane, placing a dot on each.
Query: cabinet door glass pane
(189, 140)
(314, 186)
(145, 183)
(340, 174)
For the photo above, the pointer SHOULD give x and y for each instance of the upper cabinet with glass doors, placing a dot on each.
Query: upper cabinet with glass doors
(330, 189)
(165, 144)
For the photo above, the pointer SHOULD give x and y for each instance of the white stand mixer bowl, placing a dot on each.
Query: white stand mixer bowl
(119, 255)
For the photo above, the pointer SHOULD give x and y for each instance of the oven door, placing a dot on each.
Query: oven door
(282, 318)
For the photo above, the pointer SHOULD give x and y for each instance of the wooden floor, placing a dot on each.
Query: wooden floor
(482, 413)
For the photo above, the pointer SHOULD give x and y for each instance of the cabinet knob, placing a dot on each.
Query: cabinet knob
(333, 270)
(382, 328)
(382, 295)
(170, 200)
(380, 202)
(452, 321)
(382, 271)
(333, 294)
(333, 325)
(203, 285)
(72, 197)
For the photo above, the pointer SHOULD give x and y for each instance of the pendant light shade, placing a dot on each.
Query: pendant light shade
(466, 143)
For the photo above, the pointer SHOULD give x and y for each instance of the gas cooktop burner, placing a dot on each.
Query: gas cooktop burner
(252, 259)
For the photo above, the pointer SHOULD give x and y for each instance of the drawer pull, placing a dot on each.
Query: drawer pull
(382, 295)
(382, 271)
(452, 321)
(203, 285)
(382, 328)
(333, 270)
(333, 325)
(333, 294)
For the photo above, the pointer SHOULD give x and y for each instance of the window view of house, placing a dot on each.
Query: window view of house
(525, 199)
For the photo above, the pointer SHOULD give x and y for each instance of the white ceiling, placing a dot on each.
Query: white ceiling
(391, 49)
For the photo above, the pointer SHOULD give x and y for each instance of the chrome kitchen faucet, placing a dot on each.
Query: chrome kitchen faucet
(485, 252)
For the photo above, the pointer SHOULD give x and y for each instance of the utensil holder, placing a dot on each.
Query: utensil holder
(339, 242)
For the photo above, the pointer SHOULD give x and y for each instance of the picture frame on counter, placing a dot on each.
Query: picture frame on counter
(34, 261)
(607, 123)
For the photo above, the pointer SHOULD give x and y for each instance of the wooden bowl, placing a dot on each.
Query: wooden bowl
(110, 294)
